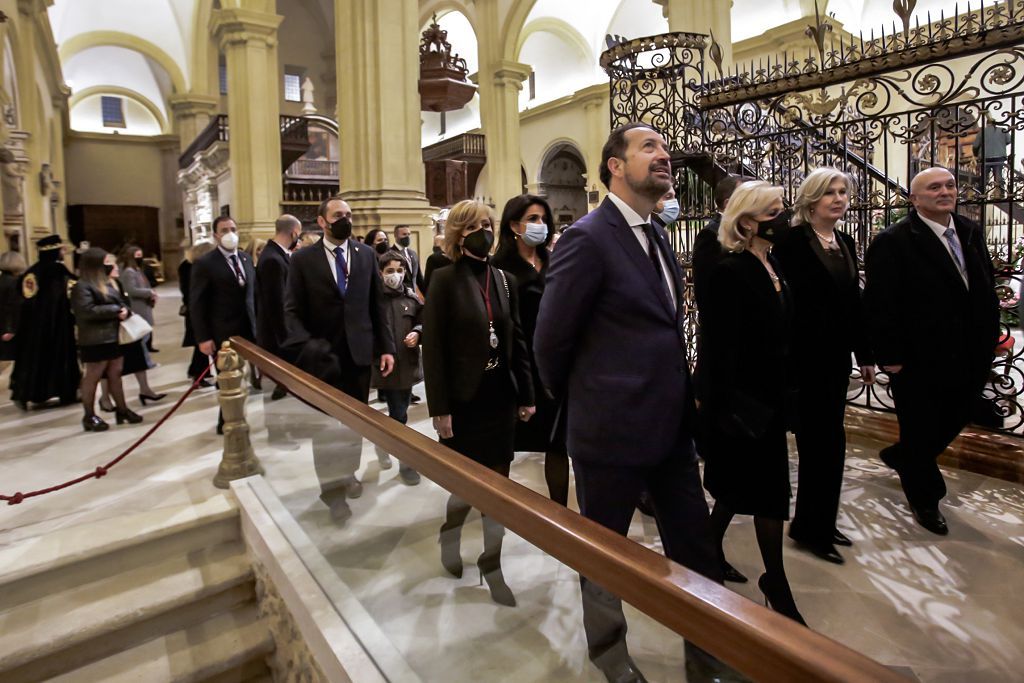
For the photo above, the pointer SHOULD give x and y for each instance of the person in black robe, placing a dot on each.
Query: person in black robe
(46, 362)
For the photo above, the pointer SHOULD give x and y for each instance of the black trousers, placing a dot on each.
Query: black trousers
(932, 406)
(821, 442)
(608, 495)
(337, 451)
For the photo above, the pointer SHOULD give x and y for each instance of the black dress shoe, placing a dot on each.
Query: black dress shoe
(204, 384)
(823, 551)
(122, 416)
(645, 504)
(730, 573)
(415, 399)
(839, 538)
(622, 671)
(932, 520)
(278, 393)
(92, 423)
(151, 397)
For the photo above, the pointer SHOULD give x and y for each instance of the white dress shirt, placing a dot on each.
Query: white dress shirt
(940, 231)
(636, 223)
(238, 259)
(329, 247)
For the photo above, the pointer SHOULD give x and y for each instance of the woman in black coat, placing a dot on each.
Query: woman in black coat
(527, 226)
(477, 372)
(99, 307)
(746, 334)
(12, 265)
(820, 263)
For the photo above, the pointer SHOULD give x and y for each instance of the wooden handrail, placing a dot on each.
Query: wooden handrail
(752, 639)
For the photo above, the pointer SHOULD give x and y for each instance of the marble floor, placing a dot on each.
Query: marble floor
(940, 609)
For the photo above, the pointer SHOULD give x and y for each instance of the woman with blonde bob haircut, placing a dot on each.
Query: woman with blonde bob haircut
(820, 262)
(477, 370)
(745, 342)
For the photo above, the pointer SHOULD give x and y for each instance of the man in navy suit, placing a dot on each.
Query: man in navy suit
(222, 294)
(272, 278)
(334, 309)
(609, 344)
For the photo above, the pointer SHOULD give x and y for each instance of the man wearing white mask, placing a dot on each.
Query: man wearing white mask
(222, 296)
(666, 211)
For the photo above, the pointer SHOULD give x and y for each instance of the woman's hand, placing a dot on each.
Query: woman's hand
(443, 426)
(526, 412)
(122, 314)
(867, 374)
(7, 336)
(412, 340)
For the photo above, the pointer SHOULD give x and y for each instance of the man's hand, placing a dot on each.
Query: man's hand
(206, 347)
(892, 369)
(443, 426)
(526, 412)
(387, 364)
(412, 340)
(867, 374)
(7, 336)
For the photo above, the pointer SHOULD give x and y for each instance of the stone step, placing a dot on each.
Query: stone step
(229, 647)
(86, 621)
(37, 567)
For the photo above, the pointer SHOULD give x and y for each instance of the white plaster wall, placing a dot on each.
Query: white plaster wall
(87, 116)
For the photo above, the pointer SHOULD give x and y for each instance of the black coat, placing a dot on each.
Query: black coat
(746, 346)
(10, 309)
(920, 313)
(184, 285)
(707, 252)
(455, 348)
(434, 262)
(220, 308)
(314, 308)
(96, 313)
(829, 321)
(271, 284)
(404, 315)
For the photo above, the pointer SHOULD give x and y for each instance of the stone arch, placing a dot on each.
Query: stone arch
(515, 21)
(557, 27)
(84, 41)
(203, 54)
(126, 93)
(445, 6)
(562, 179)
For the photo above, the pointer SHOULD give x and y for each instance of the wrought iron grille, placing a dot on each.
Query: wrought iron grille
(950, 93)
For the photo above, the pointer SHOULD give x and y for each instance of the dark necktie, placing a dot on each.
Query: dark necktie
(341, 268)
(652, 252)
(958, 252)
(233, 259)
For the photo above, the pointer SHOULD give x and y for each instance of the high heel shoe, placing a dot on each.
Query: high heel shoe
(451, 558)
(92, 423)
(107, 407)
(779, 597)
(154, 398)
(490, 572)
(730, 573)
(127, 416)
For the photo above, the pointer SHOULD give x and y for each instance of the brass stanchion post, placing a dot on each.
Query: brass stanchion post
(238, 460)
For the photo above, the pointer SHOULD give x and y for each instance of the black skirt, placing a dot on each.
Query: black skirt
(134, 358)
(484, 427)
(749, 475)
(98, 353)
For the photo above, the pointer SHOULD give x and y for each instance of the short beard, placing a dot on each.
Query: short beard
(649, 188)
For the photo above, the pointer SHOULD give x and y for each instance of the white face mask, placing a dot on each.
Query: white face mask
(229, 241)
(394, 280)
(670, 212)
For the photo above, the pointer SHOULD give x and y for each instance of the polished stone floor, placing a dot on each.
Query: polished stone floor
(940, 609)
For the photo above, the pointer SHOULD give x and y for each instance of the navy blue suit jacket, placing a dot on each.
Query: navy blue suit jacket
(610, 347)
(220, 308)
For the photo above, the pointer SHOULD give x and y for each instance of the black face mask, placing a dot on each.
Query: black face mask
(340, 229)
(438, 250)
(403, 241)
(109, 269)
(381, 247)
(479, 243)
(774, 229)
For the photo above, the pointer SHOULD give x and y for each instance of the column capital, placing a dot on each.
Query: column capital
(30, 7)
(188, 104)
(509, 73)
(234, 26)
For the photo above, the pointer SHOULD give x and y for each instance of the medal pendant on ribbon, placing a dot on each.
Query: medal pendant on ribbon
(493, 337)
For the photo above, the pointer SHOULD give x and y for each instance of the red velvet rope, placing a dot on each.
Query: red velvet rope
(103, 469)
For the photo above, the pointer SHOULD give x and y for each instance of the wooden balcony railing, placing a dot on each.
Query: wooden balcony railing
(462, 147)
(752, 639)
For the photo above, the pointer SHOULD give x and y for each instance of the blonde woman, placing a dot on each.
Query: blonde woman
(746, 336)
(477, 371)
(820, 262)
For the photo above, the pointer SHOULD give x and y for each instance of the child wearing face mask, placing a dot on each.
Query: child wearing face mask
(403, 309)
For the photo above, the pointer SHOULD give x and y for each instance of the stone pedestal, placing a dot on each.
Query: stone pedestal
(239, 460)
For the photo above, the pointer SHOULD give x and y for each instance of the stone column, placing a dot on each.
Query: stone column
(36, 207)
(500, 82)
(702, 16)
(170, 209)
(192, 113)
(248, 39)
(595, 110)
(378, 106)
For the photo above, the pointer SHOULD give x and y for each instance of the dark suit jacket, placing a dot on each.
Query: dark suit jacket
(610, 346)
(271, 281)
(314, 309)
(434, 261)
(746, 345)
(829, 321)
(707, 252)
(455, 349)
(218, 306)
(414, 275)
(921, 315)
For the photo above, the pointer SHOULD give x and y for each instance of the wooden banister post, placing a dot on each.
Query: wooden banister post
(238, 460)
